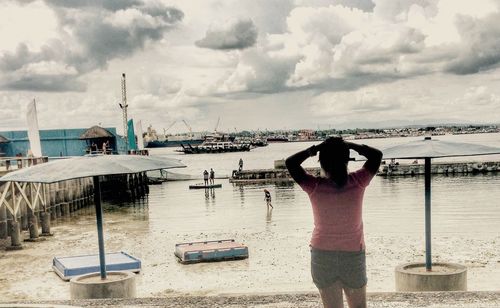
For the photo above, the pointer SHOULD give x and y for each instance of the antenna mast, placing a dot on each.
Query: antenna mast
(124, 106)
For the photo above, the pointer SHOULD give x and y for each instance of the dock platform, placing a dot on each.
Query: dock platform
(266, 175)
(203, 186)
(218, 250)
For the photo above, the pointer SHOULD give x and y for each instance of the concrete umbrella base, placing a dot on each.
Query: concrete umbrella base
(443, 277)
(116, 285)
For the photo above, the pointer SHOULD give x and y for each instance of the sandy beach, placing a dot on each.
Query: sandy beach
(276, 264)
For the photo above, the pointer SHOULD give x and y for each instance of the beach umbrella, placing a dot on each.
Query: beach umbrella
(91, 166)
(427, 149)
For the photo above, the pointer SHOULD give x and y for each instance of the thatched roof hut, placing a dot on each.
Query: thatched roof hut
(3, 139)
(96, 132)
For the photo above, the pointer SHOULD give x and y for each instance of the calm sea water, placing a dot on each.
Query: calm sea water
(461, 204)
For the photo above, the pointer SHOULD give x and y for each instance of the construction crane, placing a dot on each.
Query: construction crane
(217, 125)
(170, 126)
(189, 128)
(124, 106)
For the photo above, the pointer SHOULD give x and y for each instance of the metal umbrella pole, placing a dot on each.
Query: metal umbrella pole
(100, 236)
(428, 258)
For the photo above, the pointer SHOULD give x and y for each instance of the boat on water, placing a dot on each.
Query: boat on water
(254, 142)
(216, 143)
(215, 147)
(277, 138)
(172, 143)
(154, 140)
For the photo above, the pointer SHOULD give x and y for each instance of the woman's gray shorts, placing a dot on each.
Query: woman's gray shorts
(329, 266)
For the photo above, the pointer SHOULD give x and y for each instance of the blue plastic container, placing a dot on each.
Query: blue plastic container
(69, 267)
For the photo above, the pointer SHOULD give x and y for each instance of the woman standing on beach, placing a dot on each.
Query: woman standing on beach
(337, 244)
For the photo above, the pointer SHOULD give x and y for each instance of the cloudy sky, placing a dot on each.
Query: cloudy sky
(256, 64)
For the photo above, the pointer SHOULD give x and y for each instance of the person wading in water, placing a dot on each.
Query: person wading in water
(267, 198)
(338, 260)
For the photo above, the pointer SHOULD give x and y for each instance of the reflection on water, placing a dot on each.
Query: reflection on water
(460, 203)
(269, 216)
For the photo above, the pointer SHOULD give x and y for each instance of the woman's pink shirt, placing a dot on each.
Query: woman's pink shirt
(338, 222)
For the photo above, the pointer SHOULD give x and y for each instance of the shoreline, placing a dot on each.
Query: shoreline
(300, 299)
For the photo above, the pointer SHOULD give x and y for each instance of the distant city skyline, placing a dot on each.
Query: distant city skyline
(256, 64)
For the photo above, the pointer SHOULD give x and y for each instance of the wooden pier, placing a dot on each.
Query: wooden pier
(24, 205)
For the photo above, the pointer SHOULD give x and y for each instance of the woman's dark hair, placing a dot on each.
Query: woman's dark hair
(333, 158)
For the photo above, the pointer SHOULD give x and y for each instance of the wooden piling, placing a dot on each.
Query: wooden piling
(65, 206)
(15, 236)
(33, 229)
(45, 218)
(23, 213)
(3, 222)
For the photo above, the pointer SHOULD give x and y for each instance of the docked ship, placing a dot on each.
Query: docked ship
(170, 142)
(153, 140)
(216, 143)
(277, 138)
(254, 142)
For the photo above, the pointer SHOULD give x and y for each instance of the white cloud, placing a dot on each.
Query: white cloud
(132, 18)
(479, 96)
(48, 68)
(311, 61)
(87, 38)
(399, 39)
(33, 24)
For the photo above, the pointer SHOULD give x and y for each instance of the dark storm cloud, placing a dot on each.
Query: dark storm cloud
(46, 83)
(13, 61)
(238, 34)
(481, 45)
(112, 5)
(93, 37)
(364, 5)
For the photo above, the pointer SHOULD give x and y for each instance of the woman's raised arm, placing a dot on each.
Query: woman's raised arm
(293, 163)
(373, 155)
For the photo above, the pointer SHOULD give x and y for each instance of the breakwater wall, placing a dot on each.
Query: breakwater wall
(439, 168)
(27, 210)
(282, 175)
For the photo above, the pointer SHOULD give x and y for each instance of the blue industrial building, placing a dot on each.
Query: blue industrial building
(61, 142)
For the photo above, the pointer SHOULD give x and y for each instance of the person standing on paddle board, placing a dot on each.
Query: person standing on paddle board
(338, 261)
(205, 177)
(212, 176)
